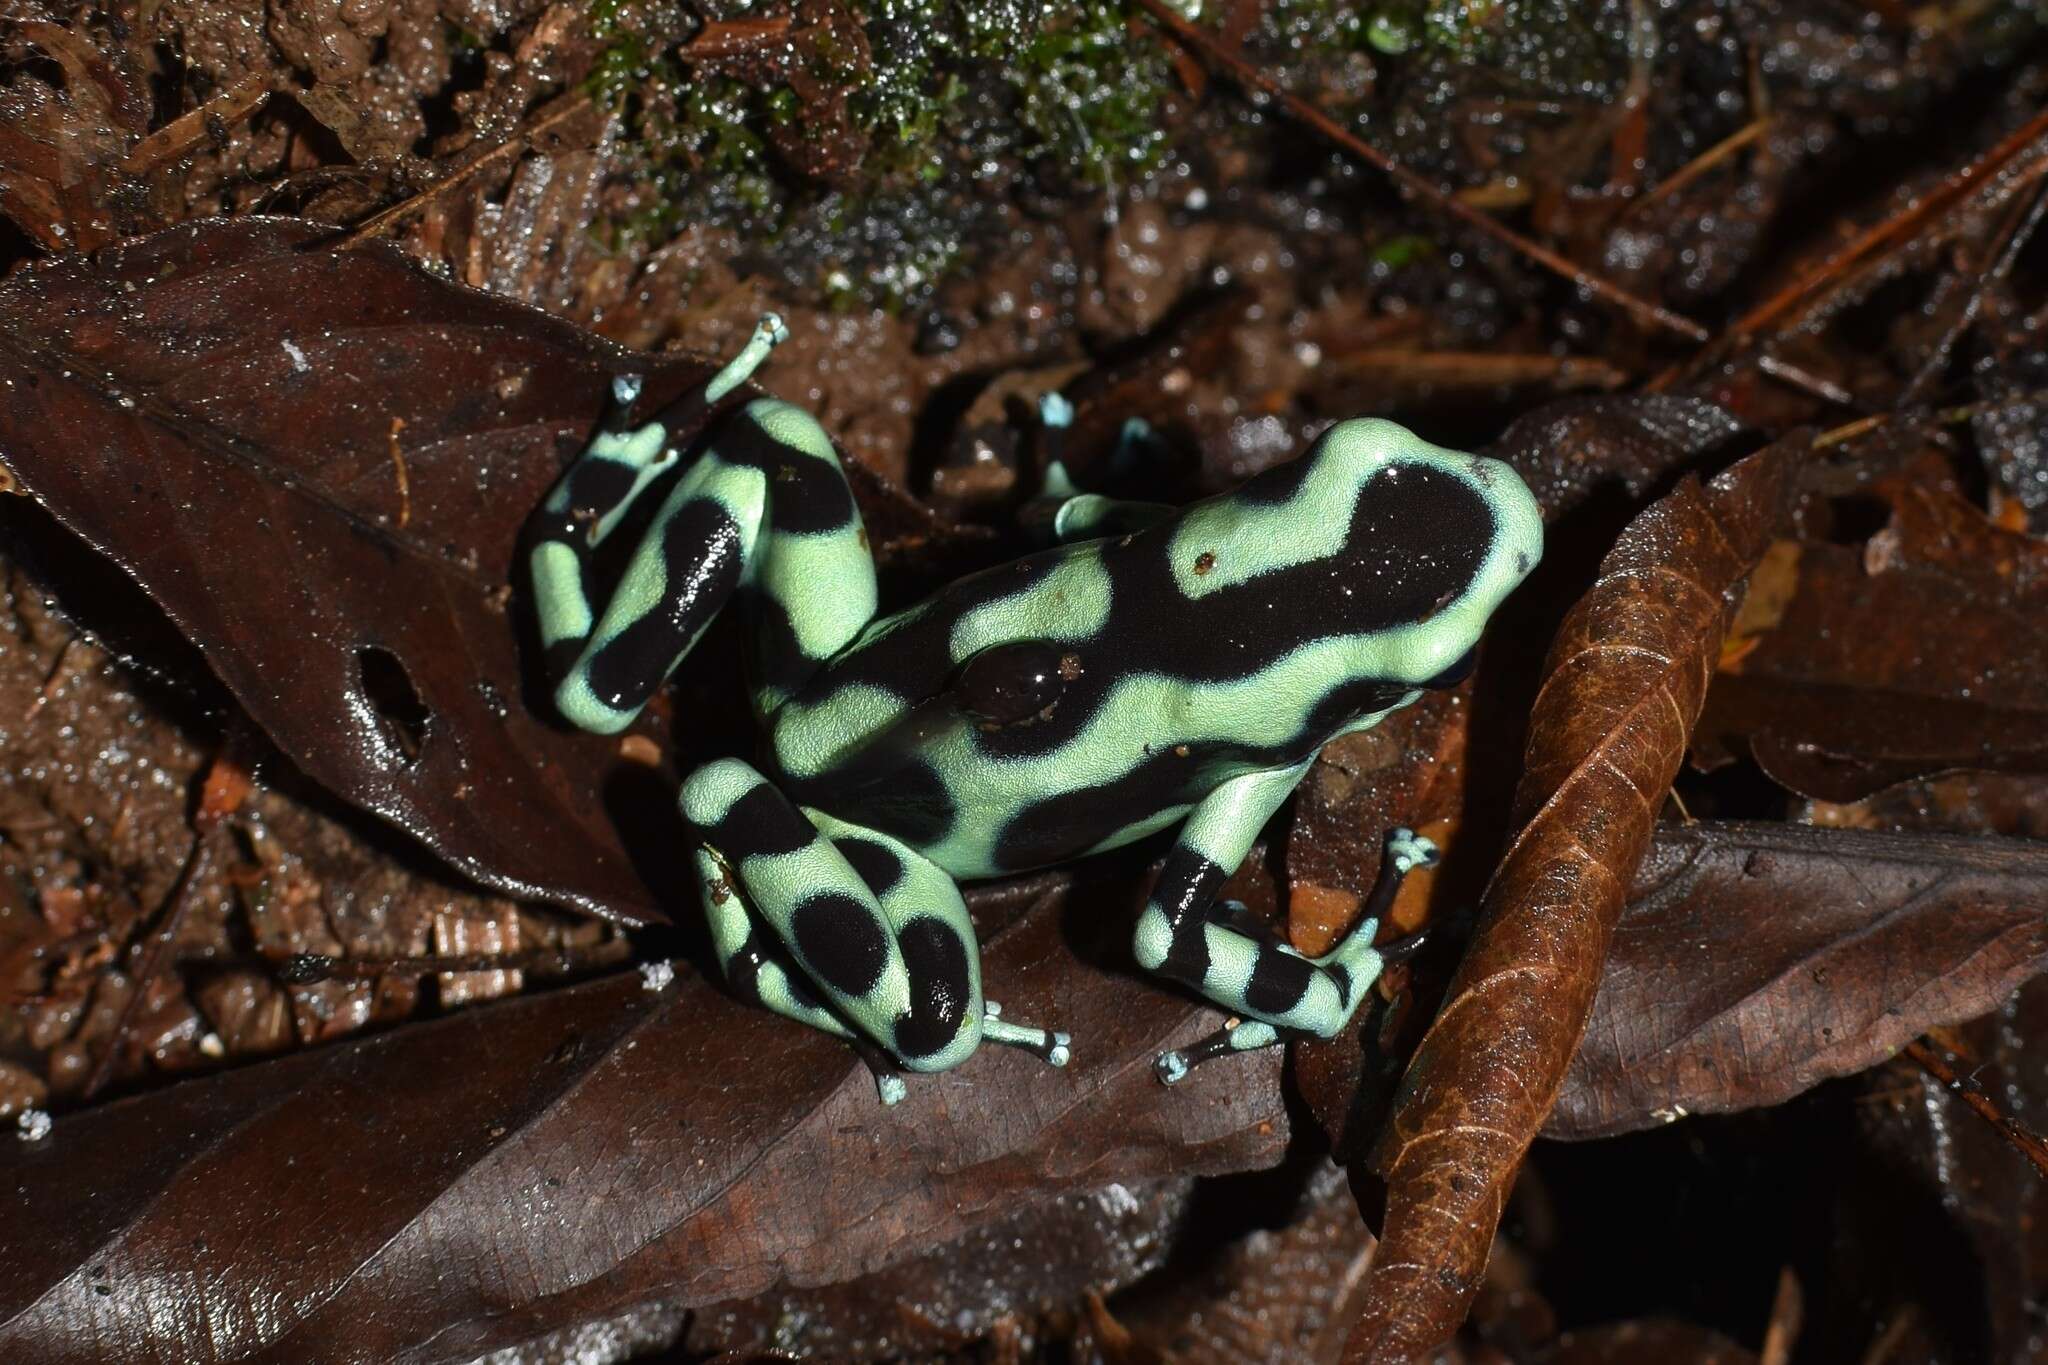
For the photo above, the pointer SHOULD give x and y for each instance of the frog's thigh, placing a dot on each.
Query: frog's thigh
(948, 1017)
(813, 900)
(929, 921)
(750, 964)
(813, 585)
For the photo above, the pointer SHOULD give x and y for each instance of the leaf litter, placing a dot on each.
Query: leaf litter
(1876, 688)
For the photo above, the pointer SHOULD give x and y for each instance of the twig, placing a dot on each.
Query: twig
(175, 138)
(404, 480)
(153, 961)
(1900, 224)
(1700, 165)
(1247, 74)
(1827, 390)
(1476, 369)
(1982, 1105)
(377, 222)
(1788, 1313)
(2016, 234)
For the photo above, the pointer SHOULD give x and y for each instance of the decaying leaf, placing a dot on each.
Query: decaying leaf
(472, 1183)
(1757, 960)
(1626, 679)
(1924, 650)
(1581, 457)
(318, 464)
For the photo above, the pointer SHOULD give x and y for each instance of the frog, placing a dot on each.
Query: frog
(1151, 667)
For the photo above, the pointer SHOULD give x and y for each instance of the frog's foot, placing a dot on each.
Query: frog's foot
(1239, 1035)
(769, 333)
(1407, 850)
(1053, 1048)
(889, 1085)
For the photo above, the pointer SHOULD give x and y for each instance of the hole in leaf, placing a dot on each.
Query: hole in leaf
(1855, 519)
(392, 696)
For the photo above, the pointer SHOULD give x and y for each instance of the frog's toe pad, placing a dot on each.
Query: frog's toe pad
(1170, 1067)
(1410, 850)
(891, 1089)
(1055, 1048)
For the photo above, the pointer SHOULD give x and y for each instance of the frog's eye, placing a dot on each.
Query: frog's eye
(1015, 684)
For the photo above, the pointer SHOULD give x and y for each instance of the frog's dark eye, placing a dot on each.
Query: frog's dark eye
(1457, 672)
(1014, 683)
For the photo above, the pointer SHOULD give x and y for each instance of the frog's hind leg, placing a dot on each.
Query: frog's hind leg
(764, 514)
(948, 1017)
(882, 939)
(1181, 934)
(608, 647)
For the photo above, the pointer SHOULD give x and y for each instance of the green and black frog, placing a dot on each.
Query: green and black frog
(1158, 667)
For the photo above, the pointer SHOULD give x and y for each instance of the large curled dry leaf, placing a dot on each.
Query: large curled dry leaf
(1625, 682)
(318, 464)
(472, 1183)
(1757, 960)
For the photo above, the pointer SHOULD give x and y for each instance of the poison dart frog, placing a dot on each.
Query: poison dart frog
(1157, 667)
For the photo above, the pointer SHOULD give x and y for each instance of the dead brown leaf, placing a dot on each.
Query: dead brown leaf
(1757, 960)
(1922, 651)
(1625, 682)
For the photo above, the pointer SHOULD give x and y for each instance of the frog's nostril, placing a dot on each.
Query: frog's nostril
(401, 715)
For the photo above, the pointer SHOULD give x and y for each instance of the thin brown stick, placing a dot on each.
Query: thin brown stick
(178, 136)
(154, 960)
(1700, 165)
(1247, 74)
(1788, 1313)
(1982, 1105)
(376, 223)
(2012, 240)
(404, 479)
(1900, 224)
(1805, 380)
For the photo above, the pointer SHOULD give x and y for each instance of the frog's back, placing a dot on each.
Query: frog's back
(1237, 635)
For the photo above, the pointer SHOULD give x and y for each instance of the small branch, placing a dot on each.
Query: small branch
(1900, 224)
(212, 118)
(1982, 1105)
(376, 223)
(1247, 74)
(2017, 232)
(1700, 165)
(154, 960)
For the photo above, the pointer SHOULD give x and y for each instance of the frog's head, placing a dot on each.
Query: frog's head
(1377, 553)
(1452, 534)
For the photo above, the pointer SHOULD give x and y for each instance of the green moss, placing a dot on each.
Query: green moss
(971, 92)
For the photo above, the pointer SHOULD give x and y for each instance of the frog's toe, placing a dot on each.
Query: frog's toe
(1055, 1048)
(1170, 1067)
(890, 1088)
(1410, 850)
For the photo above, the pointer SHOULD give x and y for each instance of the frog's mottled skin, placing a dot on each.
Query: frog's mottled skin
(1161, 666)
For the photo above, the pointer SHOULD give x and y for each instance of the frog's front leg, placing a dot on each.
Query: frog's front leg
(764, 514)
(879, 932)
(1181, 936)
